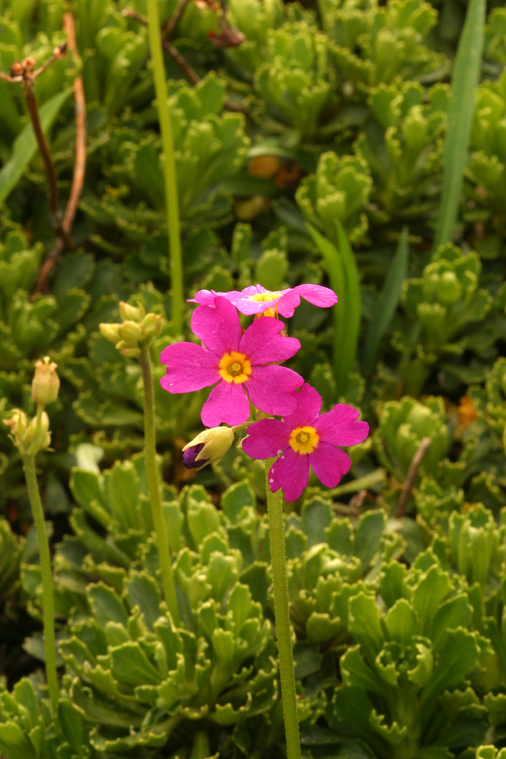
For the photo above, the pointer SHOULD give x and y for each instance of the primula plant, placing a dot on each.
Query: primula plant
(245, 364)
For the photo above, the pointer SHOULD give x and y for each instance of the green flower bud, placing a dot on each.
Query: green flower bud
(127, 349)
(110, 332)
(45, 383)
(131, 313)
(209, 446)
(130, 332)
(38, 437)
(152, 325)
(18, 424)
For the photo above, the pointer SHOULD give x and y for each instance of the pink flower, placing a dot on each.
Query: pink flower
(305, 439)
(257, 300)
(245, 367)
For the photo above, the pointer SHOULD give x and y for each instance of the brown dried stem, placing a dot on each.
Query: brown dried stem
(79, 161)
(412, 472)
(171, 23)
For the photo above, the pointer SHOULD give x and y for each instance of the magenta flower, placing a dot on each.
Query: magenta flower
(245, 367)
(305, 439)
(257, 300)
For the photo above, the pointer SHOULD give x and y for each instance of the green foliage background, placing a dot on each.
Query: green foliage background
(351, 143)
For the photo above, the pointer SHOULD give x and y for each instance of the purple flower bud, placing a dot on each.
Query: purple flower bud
(190, 457)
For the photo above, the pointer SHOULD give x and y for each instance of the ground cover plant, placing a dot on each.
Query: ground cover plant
(252, 379)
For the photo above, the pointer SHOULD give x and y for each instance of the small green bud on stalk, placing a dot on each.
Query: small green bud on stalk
(209, 446)
(110, 332)
(19, 425)
(131, 313)
(46, 383)
(152, 325)
(130, 332)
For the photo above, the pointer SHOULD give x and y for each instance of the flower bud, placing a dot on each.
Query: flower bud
(45, 383)
(18, 424)
(209, 446)
(131, 313)
(130, 332)
(127, 349)
(38, 437)
(110, 332)
(152, 325)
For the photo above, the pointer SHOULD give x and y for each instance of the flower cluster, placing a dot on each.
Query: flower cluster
(243, 368)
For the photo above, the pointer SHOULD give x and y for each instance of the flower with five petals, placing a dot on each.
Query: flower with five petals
(243, 367)
(257, 300)
(303, 439)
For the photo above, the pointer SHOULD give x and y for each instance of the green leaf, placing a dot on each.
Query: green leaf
(364, 624)
(386, 304)
(465, 78)
(401, 622)
(132, 667)
(369, 531)
(25, 144)
(14, 744)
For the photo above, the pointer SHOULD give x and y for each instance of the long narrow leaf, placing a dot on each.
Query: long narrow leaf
(25, 145)
(349, 348)
(386, 304)
(333, 266)
(465, 78)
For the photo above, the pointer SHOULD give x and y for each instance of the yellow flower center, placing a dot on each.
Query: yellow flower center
(304, 439)
(235, 367)
(264, 297)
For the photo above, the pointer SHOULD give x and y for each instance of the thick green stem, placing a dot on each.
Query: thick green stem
(169, 165)
(282, 615)
(47, 580)
(154, 486)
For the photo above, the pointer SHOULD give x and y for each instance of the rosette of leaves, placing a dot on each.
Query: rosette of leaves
(210, 147)
(295, 80)
(490, 401)
(339, 190)
(402, 427)
(129, 667)
(255, 19)
(405, 682)
(451, 309)
(372, 44)
(403, 145)
(28, 732)
(495, 32)
(486, 170)
(330, 560)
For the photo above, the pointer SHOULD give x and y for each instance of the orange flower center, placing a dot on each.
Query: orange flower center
(304, 439)
(234, 367)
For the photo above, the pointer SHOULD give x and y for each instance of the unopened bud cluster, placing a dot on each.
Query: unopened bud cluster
(136, 330)
(32, 436)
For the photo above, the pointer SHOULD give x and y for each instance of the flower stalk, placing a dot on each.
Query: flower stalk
(154, 484)
(46, 576)
(282, 616)
(169, 165)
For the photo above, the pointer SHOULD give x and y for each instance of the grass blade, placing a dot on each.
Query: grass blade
(349, 348)
(25, 144)
(465, 78)
(387, 303)
(342, 271)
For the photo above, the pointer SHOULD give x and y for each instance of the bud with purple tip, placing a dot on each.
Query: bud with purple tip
(209, 446)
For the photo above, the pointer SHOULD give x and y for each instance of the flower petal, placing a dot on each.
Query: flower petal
(263, 344)
(288, 303)
(189, 367)
(227, 403)
(290, 473)
(339, 426)
(266, 438)
(318, 295)
(309, 404)
(272, 389)
(329, 463)
(219, 328)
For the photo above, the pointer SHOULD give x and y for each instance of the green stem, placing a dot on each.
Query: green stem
(282, 615)
(169, 165)
(47, 580)
(154, 485)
